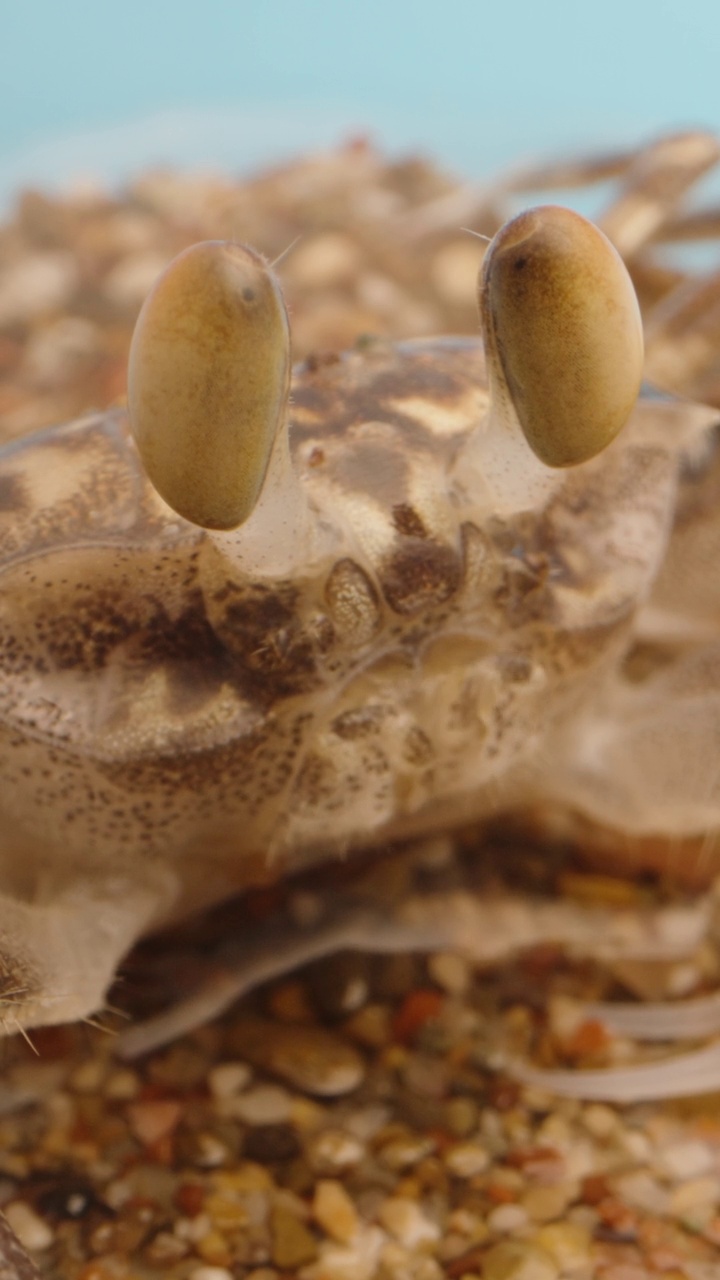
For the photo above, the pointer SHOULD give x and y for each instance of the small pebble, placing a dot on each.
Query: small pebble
(150, 1121)
(88, 1076)
(450, 971)
(288, 1001)
(569, 1243)
(600, 1120)
(334, 1211)
(686, 1159)
(461, 1116)
(515, 1260)
(640, 1189)
(405, 1220)
(507, 1218)
(341, 988)
(210, 1273)
(308, 1058)
(402, 1153)
(210, 1151)
(322, 261)
(122, 1085)
(165, 1249)
(293, 1244)
(263, 1104)
(128, 284)
(358, 1261)
(370, 1026)
(467, 1159)
(36, 284)
(270, 1143)
(455, 269)
(696, 1193)
(229, 1078)
(333, 1151)
(543, 1204)
(636, 1144)
(213, 1248)
(31, 1230)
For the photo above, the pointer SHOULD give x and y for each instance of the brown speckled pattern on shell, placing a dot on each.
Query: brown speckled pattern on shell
(167, 721)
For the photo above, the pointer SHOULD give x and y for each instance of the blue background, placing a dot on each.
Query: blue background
(100, 87)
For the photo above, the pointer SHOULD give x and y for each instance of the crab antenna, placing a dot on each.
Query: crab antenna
(208, 383)
(563, 336)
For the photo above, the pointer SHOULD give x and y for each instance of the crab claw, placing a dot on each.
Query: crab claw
(208, 382)
(562, 332)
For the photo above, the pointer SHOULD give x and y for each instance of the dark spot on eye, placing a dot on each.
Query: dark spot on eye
(248, 294)
(519, 263)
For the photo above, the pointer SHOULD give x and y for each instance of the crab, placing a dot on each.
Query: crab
(266, 619)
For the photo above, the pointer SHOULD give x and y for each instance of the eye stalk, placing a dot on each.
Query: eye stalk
(208, 382)
(562, 332)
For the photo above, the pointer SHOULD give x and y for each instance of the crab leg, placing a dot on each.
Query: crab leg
(654, 185)
(486, 927)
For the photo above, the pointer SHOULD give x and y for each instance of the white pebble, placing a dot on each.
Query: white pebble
(686, 1159)
(210, 1273)
(405, 1220)
(229, 1078)
(635, 1144)
(358, 1261)
(696, 1193)
(30, 1229)
(600, 1120)
(211, 1152)
(334, 1150)
(450, 971)
(467, 1159)
(265, 1104)
(643, 1191)
(507, 1218)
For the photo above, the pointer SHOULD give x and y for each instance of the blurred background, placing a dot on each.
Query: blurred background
(104, 88)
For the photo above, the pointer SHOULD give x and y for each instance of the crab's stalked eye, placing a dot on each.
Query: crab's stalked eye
(208, 381)
(562, 332)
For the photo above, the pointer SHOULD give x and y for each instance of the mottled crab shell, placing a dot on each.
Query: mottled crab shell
(418, 621)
